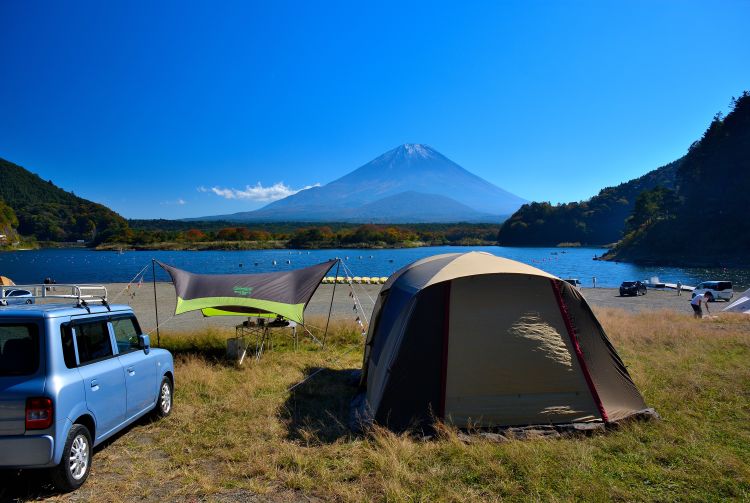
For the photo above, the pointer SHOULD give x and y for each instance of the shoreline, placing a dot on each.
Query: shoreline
(285, 245)
(142, 303)
(282, 245)
(730, 263)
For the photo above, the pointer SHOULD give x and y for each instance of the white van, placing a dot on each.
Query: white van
(719, 289)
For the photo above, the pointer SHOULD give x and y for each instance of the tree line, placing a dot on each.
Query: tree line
(310, 236)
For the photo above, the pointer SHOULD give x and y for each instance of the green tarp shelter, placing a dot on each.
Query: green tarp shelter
(284, 293)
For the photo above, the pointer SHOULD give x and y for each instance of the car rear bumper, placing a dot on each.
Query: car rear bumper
(26, 451)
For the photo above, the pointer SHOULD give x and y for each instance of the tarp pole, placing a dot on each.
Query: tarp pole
(156, 304)
(330, 308)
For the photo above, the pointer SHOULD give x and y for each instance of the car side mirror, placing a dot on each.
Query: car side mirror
(145, 343)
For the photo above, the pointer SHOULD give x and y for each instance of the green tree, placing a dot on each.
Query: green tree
(656, 204)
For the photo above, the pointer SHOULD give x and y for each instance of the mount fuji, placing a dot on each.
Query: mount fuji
(412, 183)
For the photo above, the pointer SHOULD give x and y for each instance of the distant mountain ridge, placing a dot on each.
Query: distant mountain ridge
(597, 221)
(409, 184)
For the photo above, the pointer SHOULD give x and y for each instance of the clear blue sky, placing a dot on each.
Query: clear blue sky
(148, 106)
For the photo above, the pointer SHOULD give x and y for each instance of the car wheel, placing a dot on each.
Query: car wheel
(5, 482)
(164, 401)
(29, 301)
(75, 464)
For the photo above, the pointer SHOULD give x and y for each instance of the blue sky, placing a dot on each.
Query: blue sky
(149, 106)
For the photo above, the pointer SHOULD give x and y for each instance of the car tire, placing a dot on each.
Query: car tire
(5, 482)
(164, 400)
(75, 465)
(29, 301)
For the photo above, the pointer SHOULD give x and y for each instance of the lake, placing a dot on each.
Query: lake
(87, 266)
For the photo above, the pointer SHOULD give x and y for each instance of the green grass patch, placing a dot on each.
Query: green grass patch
(238, 430)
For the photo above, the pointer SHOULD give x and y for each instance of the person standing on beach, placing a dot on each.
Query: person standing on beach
(701, 298)
(679, 288)
(593, 280)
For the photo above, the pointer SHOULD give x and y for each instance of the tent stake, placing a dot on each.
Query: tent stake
(156, 305)
(330, 308)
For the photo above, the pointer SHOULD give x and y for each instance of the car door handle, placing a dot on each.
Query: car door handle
(94, 385)
(131, 371)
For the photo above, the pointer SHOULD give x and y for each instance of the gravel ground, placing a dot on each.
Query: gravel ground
(653, 300)
(143, 304)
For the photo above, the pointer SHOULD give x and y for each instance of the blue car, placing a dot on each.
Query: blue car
(72, 374)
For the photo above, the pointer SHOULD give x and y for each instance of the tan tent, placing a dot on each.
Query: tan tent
(477, 339)
(6, 281)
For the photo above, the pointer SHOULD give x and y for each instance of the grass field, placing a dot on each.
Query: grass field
(236, 432)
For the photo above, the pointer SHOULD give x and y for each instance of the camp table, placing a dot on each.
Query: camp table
(257, 331)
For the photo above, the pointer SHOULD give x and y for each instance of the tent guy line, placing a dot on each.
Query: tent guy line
(357, 303)
(127, 287)
(350, 274)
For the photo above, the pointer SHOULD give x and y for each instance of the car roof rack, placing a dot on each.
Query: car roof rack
(81, 294)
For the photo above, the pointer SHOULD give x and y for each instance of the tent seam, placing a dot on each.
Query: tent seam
(577, 347)
(446, 338)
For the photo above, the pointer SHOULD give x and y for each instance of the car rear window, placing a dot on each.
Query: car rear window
(628, 283)
(69, 351)
(19, 349)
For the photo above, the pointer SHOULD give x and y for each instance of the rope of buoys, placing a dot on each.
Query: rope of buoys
(359, 280)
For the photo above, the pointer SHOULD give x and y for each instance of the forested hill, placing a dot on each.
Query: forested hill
(598, 221)
(706, 222)
(8, 225)
(48, 213)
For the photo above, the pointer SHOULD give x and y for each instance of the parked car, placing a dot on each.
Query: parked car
(573, 281)
(719, 289)
(71, 376)
(17, 296)
(632, 288)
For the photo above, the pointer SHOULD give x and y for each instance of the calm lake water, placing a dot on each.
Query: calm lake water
(86, 266)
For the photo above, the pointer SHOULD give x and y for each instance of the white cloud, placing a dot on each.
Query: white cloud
(258, 192)
(180, 201)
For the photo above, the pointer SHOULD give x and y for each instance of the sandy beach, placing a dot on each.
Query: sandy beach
(142, 301)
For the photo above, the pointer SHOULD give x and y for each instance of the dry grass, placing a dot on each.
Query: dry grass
(238, 431)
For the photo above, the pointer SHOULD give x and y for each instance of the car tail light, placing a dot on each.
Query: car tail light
(38, 413)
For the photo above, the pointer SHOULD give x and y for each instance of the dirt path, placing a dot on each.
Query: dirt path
(142, 301)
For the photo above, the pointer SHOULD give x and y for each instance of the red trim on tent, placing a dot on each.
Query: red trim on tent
(446, 334)
(577, 347)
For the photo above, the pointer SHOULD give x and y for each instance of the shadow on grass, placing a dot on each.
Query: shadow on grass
(212, 347)
(318, 409)
(36, 484)
(212, 355)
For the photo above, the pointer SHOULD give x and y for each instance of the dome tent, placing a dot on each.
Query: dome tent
(477, 339)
